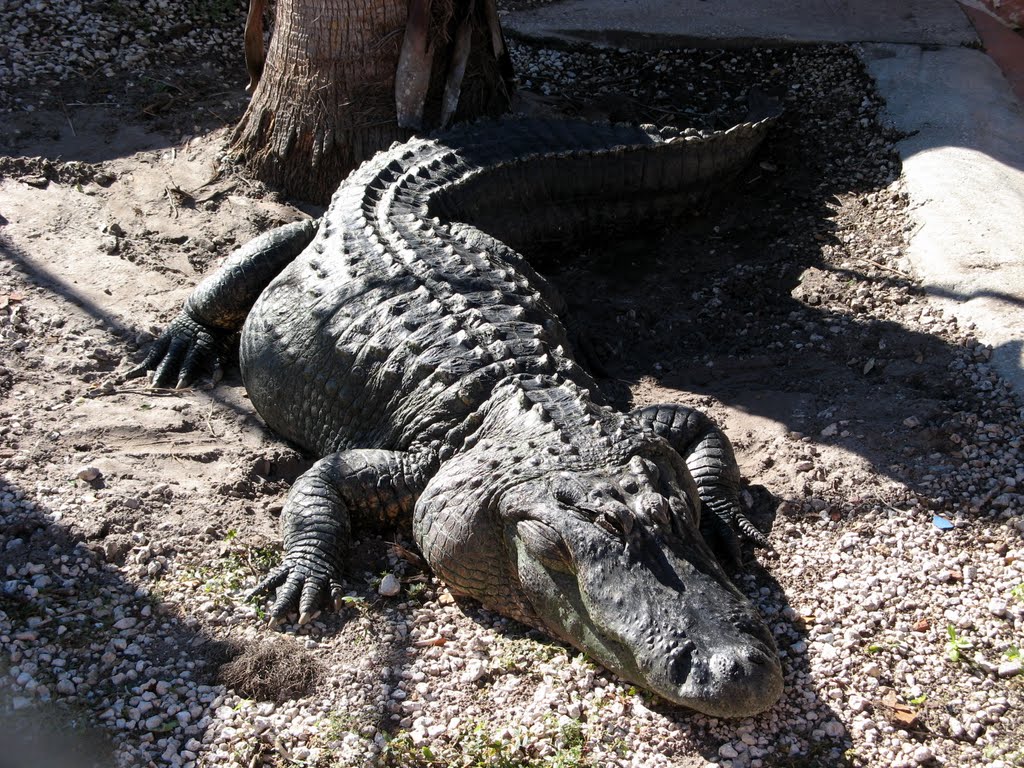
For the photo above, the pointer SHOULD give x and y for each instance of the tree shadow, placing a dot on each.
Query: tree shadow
(227, 395)
(773, 299)
(87, 647)
(96, 120)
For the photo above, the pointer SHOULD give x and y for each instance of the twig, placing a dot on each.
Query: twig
(209, 424)
(178, 88)
(886, 504)
(74, 612)
(67, 117)
(880, 265)
(154, 391)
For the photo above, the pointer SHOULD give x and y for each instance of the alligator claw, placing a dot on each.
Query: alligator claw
(727, 529)
(337, 596)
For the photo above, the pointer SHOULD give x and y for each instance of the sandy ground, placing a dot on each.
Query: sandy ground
(786, 312)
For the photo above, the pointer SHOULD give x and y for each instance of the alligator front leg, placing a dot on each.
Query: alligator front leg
(316, 522)
(197, 338)
(709, 457)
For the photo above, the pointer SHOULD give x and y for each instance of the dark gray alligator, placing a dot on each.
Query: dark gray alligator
(404, 340)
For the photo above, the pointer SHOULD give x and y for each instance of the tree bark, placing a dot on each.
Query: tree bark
(326, 97)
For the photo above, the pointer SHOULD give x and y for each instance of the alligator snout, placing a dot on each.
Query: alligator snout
(724, 681)
(737, 682)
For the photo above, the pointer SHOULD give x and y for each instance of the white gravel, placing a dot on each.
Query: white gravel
(48, 44)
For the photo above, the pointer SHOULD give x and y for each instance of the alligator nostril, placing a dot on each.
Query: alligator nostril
(682, 662)
(756, 656)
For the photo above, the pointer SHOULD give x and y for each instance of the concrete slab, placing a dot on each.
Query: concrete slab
(736, 23)
(964, 173)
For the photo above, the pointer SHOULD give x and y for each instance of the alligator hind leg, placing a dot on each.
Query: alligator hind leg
(712, 463)
(197, 338)
(371, 485)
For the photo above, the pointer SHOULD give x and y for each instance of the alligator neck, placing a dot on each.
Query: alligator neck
(531, 426)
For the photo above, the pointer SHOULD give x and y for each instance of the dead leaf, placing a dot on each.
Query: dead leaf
(922, 626)
(407, 554)
(899, 713)
(906, 719)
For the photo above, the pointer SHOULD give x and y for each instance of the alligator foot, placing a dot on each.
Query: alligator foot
(316, 524)
(185, 350)
(316, 528)
(712, 463)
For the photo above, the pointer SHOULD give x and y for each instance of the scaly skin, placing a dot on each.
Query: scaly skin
(425, 361)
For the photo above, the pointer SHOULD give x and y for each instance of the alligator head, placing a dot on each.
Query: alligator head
(611, 561)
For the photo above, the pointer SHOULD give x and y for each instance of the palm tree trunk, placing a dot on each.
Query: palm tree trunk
(326, 97)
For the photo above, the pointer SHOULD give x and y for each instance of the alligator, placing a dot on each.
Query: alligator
(405, 340)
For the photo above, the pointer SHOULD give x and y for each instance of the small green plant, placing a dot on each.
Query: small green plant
(224, 579)
(917, 700)
(873, 648)
(1018, 592)
(1013, 653)
(572, 733)
(336, 726)
(570, 753)
(956, 645)
(416, 590)
(356, 602)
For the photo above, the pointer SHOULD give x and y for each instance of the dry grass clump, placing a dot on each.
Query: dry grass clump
(272, 670)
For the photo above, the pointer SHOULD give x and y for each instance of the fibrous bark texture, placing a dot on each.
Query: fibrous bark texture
(326, 98)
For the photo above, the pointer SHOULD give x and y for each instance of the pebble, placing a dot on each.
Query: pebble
(728, 751)
(389, 585)
(923, 755)
(1009, 669)
(88, 473)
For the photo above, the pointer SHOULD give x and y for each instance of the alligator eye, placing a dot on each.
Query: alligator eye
(610, 524)
(615, 519)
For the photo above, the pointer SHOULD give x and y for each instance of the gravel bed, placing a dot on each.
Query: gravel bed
(126, 638)
(59, 51)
